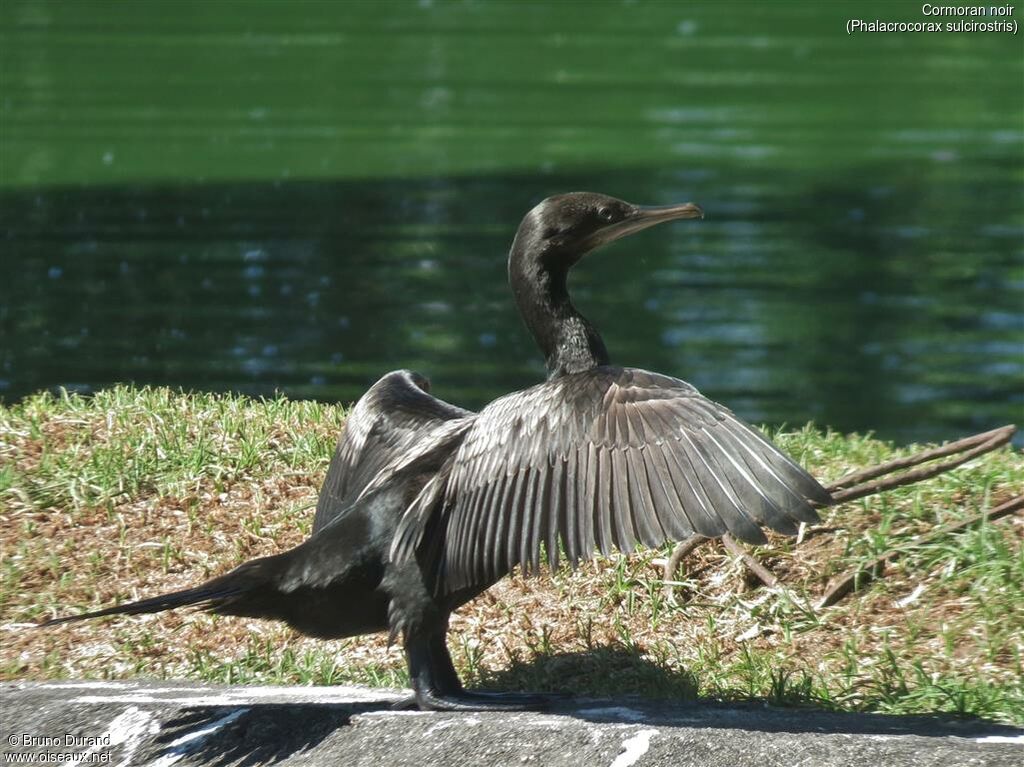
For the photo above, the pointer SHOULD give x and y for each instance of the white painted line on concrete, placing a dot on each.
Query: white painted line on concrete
(87, 685)
(129, 728)
(386, 712)
(317, 694)
(243, 696)
(178, 748)
(1001, 739)
(634, 748)
(194, 700)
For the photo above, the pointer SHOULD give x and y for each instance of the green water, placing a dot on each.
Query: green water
(296, 196)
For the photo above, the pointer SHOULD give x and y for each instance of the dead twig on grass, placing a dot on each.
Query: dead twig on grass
(917, 458)
(680, 552)
(857, 579)
(766, 576)
(868, 481)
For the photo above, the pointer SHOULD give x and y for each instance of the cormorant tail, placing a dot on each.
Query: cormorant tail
(228, 594)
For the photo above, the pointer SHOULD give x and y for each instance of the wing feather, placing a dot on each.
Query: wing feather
(668, 504)
(531, 510)
(641, 500)
(604, 500)
(757, 484)
(714, 482)
(587, 506)
(622, 518)
(696, 504)
(468, 536)
(387, 421)
(782, 483)
(548, 503)
(605, 459)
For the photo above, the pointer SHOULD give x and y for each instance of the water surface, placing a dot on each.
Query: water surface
(258, 196)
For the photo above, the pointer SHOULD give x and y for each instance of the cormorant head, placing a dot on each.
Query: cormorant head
(568, 226)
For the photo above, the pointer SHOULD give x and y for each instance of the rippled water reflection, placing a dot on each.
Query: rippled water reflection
(303, 201)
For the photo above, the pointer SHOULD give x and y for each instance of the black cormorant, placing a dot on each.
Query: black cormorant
(426, 505)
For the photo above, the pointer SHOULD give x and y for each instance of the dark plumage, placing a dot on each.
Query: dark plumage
(425, 505)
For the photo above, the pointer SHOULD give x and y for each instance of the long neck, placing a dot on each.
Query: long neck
(569, 342)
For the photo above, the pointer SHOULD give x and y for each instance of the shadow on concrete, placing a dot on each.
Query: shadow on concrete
(618, 684)
(262, 733)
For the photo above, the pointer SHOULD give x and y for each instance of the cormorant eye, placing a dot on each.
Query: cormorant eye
(605, 214)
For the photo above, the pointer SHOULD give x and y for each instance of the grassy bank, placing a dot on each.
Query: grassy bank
(137, 491)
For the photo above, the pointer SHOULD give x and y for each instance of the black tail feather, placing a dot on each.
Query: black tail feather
(228, 594)
(312, 588)
(206, 596)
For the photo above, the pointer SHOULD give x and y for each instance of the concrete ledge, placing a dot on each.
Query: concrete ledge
(155, 723)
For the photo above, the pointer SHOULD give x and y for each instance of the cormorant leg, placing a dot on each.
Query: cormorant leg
(431, 677)
(437, 687)
(444, 670)
(445, 673)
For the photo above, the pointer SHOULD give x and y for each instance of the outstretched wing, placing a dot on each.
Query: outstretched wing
(385, 423)
(601, 459)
